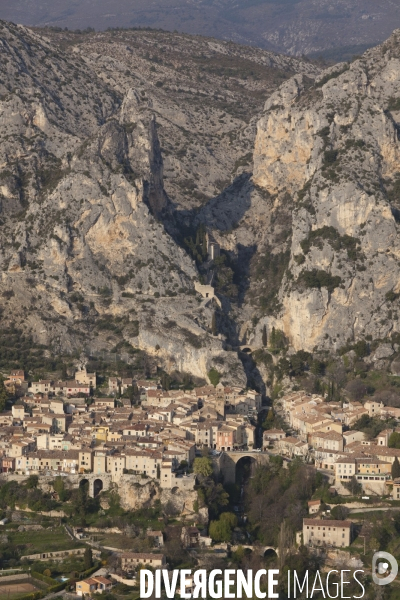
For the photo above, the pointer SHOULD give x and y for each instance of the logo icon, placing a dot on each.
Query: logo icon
(384, 568)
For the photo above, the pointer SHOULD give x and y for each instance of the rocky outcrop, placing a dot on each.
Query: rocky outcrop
(136, 493)
(333, 147)
(85, 258)
(93, 254)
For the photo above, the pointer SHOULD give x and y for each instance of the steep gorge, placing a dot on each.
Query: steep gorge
(112, 153)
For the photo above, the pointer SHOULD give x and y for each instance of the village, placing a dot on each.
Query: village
(324, 433)
(65, 429)
(51, 429)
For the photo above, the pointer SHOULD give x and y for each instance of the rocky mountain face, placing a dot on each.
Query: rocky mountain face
(121, 149)
(330, 149)
(90, 215)
(295, 27)
(206, 97)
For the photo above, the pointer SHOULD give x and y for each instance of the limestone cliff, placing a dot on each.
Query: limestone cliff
(93, 251)
(136, 493)
(331, 149)
(85, 259)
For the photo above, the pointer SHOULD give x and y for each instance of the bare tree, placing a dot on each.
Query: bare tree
(285, 543)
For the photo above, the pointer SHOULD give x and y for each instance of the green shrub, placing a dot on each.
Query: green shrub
(270, 268)
(43, 577)
(330, 156)
(90, 571)
(391, 296)
(214, 376)
(394, 104)
(330, 76)
(324, 132)
(299, 258)
(333, 237)
(318, 278)
(277, 339)
(263, 357)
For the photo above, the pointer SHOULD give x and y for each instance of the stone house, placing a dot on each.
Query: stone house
(157, 537)
(327, 440)
(292, 446)
(83, 376)
(93, 585)
(321, 532)
(353, 436)
(396, 489)
(131, 560)
(17, 376)
(190, 537)
(313, 506)
(226, 438)
(383, 438)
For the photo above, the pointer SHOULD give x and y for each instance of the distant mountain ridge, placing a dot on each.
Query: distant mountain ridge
(291, 26)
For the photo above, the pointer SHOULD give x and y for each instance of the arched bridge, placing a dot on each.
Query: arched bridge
(247, 348)
(260, 550)
(96, 482)
(229, 460)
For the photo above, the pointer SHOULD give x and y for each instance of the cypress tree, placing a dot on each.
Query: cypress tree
(4, 395)
(396, 468)
(214, 329)
(272, 339)
(88, 559)
(264, 336)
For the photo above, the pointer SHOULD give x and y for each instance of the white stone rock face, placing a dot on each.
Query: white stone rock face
(334, 147)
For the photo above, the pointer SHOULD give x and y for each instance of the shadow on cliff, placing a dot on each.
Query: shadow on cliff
(222, 213)
(254, 377)
(226, 210)
(242, 269)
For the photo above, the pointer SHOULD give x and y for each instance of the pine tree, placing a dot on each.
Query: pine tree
(396, 468)
(264, 336)
(214, 329)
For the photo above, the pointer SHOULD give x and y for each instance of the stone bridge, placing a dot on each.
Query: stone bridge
(97, 482)
(260, 550)
(227, 462)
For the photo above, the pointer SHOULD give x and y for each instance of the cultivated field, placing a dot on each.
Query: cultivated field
(47, 540)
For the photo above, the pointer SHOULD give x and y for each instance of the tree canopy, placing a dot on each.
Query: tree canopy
(202, 466)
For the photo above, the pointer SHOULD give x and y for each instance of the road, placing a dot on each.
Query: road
(359, 510)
